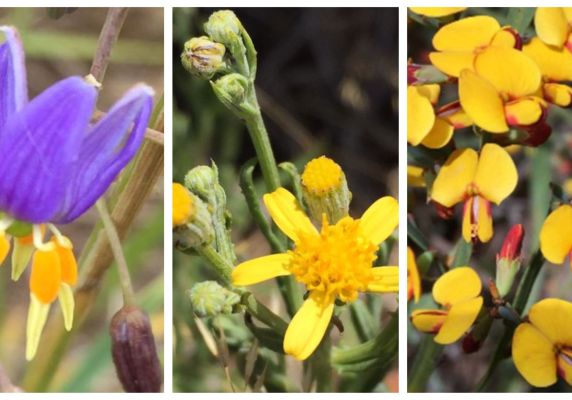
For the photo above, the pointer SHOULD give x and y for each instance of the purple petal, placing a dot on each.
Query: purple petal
(13, 89)
(39, 148)
(107, 148)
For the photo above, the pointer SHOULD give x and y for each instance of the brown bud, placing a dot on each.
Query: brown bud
(134, 353)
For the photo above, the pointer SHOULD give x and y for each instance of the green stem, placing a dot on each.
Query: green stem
(424, 364)
(220, 265)
(263, 314)
(117, 250)
(261, 142)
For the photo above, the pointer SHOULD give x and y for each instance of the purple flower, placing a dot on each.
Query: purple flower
(54, 163)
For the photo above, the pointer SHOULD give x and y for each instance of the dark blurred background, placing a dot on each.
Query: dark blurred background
(327, 84)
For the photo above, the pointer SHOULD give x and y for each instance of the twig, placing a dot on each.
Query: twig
(107, 38)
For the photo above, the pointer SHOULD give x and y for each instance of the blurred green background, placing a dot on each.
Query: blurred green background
(55, 49)
(327, 84)
(528, 205)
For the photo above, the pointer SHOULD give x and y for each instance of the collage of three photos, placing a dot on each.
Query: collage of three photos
(286, 129)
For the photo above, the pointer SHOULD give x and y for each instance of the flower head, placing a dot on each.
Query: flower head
(478, 181)
(458, 291)
(334, 263)
(55, 165)
(459, 42)
(542, 346)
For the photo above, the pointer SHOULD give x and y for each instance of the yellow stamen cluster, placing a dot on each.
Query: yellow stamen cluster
(183, 207)
(321, 176)
(337, 263)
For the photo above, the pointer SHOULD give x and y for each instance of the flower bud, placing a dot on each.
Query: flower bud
(223, 26)
(210, 299)
(192, 223)
(508, 260)
(203, 182)
(202, 57)
(232, 90)
(134, 353)
(325, 190)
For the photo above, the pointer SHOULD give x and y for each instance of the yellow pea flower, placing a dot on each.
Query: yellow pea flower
(501, 90)
(428, 127)
(415, 176)
(335, 263)
(459, 292)
(542, 346)
(459, 42)
(554, 26)
(556, 66)
(478, 181)
(437, 12)
(556, 235)
(413, 278)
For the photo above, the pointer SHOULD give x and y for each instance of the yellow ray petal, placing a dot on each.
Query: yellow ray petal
(261, 269)
(496, 175)
(456, 286)
(307, 328)
(554, 63)
(561, 95)
(556, 235)
(37, 317)
(287, 214)
(482, 102)
(67, 305)
(524, 111)
(460, 318)
(455, 175)
(510, 71)
(484, 220)
(466, 34)
(429, 321)
(533, 356)
(437, 12)
(439, 135)
(420, 116)
(551, 25)
(413, 277)
(452, 62)
(553, 317)
(384, 280)
(380, 220)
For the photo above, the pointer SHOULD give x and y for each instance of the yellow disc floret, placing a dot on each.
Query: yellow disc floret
(337, 263)
(183, 207)
(321, 176)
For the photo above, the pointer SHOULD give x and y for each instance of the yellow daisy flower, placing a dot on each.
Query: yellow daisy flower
(478, 181)
(183, 206)
(335, 263)
(542, 346)
(459, 292)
